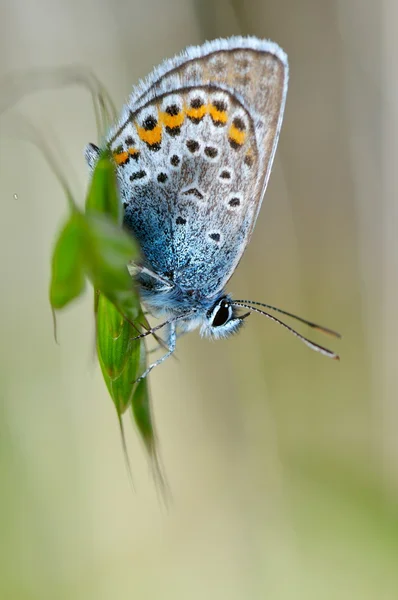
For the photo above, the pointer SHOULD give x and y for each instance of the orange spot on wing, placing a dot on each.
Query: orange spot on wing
(121, 158)
(153, 136)
(133, 151)
(236, 135)
(197, 113)
(217, 115)
(171, 120)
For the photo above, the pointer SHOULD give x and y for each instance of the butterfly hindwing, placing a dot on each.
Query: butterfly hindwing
(194, 153)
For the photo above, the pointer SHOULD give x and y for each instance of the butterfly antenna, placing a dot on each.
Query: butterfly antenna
(320, 328)
(306, 341)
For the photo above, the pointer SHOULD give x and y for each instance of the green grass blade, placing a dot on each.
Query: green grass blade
(67, 274)
(103, 196)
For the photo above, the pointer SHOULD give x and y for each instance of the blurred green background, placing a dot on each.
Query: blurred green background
(283, 465)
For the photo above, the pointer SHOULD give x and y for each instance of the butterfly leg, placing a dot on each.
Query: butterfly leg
(159, 346)
(171, 342)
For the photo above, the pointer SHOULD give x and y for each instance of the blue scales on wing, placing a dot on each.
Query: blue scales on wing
(194, 149)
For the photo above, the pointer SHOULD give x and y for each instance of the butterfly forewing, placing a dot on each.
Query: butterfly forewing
(194, 153)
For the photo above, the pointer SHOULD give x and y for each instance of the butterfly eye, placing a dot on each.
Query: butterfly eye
(222, 314)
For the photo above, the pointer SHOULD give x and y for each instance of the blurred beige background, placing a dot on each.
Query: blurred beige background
(283, 465)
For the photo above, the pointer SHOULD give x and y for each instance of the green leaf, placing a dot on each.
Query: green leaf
(103, 196)
(140, 404)
(108, 247)
(118, 353)
(107, 250)
(142, 413)
(115, 340)
(141, 408)
(94, 245)
(67, 274)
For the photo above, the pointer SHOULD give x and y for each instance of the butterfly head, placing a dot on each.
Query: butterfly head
(221, 319)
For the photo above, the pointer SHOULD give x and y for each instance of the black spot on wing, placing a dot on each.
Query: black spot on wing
(149, 123)
(193, 146)
(137, 175)
(162, 177)
(193, 192)
(239, 124)
(211, 152)
(196, 103)
(172, 110)
(173, 131)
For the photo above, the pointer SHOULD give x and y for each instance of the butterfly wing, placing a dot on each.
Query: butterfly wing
(194, 149)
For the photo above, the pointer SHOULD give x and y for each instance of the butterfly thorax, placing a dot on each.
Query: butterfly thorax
(216, 317)
(163, 297)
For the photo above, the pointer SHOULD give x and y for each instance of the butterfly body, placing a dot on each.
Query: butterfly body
(194, 148)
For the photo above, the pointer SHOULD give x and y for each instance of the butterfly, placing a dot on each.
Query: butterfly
(194, 147)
